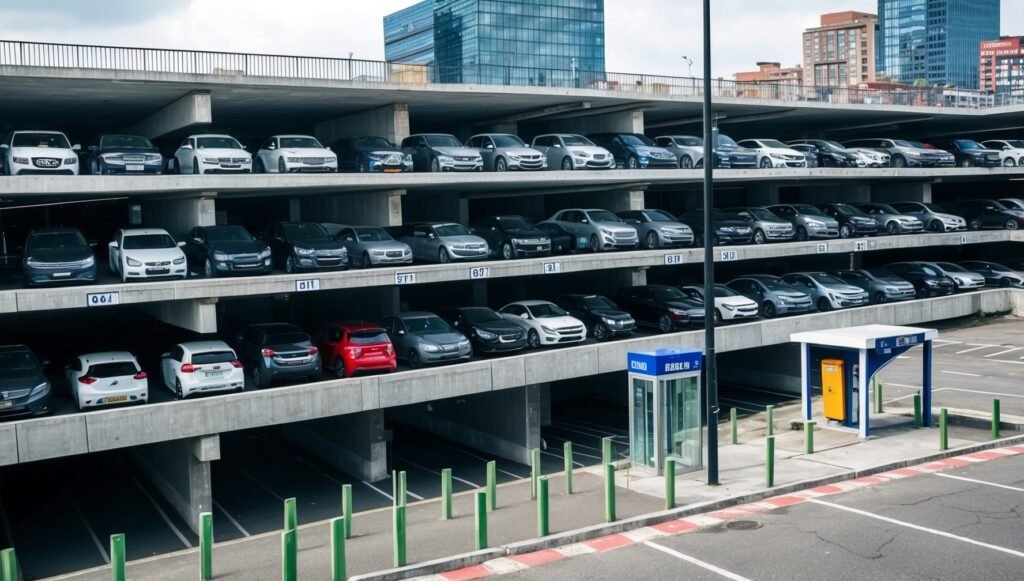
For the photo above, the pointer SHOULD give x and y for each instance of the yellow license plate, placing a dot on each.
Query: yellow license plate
(392, 171)
(117, 399)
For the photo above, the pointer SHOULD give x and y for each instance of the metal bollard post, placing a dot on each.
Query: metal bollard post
(670, 484)
(567, 452)
(291, 519)
(996, 421)
(607, 452)
(609, 493)
(534, 472)
(289, 555)
(542, 507)
(944, 430)
(879, 396)
(398, 527)
(117, 572)
(770, 410)
(769, 465)
(8, 565)
(394, 488)
(338, 549)
(481, 520)
(446, 494)
(205, 546)
(918, 422)
(732, 423)
(403, 489)
(347, 509)
(492, 486)
(809, 437)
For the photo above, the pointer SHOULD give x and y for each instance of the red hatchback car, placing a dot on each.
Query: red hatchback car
(356, 347)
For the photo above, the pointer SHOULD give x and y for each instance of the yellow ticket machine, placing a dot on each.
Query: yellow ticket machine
(833, 388)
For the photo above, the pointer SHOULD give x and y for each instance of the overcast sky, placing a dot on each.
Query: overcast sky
(645, 37)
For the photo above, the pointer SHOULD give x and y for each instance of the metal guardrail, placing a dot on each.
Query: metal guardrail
(37, 54)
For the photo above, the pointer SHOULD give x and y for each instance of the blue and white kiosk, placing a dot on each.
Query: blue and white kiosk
(849, 359)
(665, 409)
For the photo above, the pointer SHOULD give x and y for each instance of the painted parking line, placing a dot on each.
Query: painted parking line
(160, 511)
(379, 491)
(575, 447)
(1004, 352)
(435, 472)
(961, 373)
(481, 458)
(560, 457)
(960, 389)
(693, 560)
(231, 519)
(943, 343)
(974, 481)
(976, 347)
(257, 482)
(88, 527)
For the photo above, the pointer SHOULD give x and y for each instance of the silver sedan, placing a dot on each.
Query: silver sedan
(372, 246)
(658, 229)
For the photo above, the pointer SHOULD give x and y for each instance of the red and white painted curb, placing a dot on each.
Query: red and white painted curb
(692, 523)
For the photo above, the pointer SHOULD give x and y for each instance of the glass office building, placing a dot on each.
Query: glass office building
(502, 42)
(934, 40)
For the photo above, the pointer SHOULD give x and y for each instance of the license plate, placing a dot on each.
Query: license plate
(6, 405)
(158, 271)
(116, 399)
(135, 168)
(392, 171)
(214, 374)
(231, 166)
(61, 275)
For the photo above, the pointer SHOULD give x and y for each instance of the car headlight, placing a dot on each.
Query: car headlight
(960, 280)
(408, 158)
(816, 223)
(913, 154)
(41, 389)
(514, 157)
(890, 289)
(445, 159)
(547, 330)
(209, 160)
(931, 282)
(776, 156)
(729, 307)
(71, 161)
(221, 256)
(21, 160)
(89, 261)
(579, 153)
(464, 343)
(132, 262)
(605, 231)
(265, 253)
(303, 251)
(431, 348)
(330, 159)
(180, 260)
(677, 312)
(609, 322)
(112, 157)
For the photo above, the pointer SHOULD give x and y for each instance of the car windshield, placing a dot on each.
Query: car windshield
(451, 230)
(217, 143)
(1016, 143)
(507, 141)
(300, 143)
(602, 216)
(571, 140)
(886, 208)
(114, 369)
(880, 273)
(148, 242)
(775, 284)
(288, 337)
(852, 210)
(304, 231)
(774, 143)
(443, 141)
(546, 310)
(659, 216)
(635, 140)
(597, 303)
(17, 361)
(726, 141)
(516, 224)
(827, 279)
(429, 324)
(477, 316)
(228, 234)
(950, 267)
(48, 240)
(930, 271)
(45, 140)
(901, 143)
(808, 210)
(368, 337)
(719, 215)
(722, 292)
(124, 142)
(372, 235)
(935, 208)
(762, 214)
(211, 357)
(370, 142)
(667, 293)
(968, 144)
(833, 145)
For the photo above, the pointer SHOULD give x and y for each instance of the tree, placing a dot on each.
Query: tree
(921, 83)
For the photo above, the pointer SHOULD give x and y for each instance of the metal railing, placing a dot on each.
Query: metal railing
(37, 54)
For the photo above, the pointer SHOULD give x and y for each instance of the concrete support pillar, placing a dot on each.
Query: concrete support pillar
(618, 122)
(887, 193)
(198, 315)
(355, 444)
(480, 293)
(431, 207)
(178, 216)
(762, 194)
(637, 200)
(294, 209)
(390, 122)
(196, 108)
(631, 277)
(180, 471)
(505, 424)
(545, 404)
(370, 208)
(853, 194)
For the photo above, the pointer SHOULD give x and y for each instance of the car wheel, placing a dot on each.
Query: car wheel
(652, 240)
(500, 165)
(94, 168)
(824, 305)
(178, 392)
(507, 252)
(600, 332)
(172, 166)
(289, 265)
(665, 323)
(1011, 225)
(936, 226)
(717, 317)
(878, 298)
(533, 339)
(1009, 162)
(281, 166)
(899, 161)
(595, 244)
(339, 368)
(759, 237)
(366, 260)
(967, 163)
(1005, 283)
(892, 228)
(208, 269)
(414, 359)
(922, 293)
(801, 234)
(259, 377)
(974, 224)
(567, 164)
(685, 162)
(362, 166)
(435, 165)
(632, 162)
(257, 166)
(442, 256)
(846, 231)
(195, 167)
(765, 163)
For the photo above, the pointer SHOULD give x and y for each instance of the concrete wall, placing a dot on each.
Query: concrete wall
(354, 444)
(908, 192)
(390, 122)
(852, 194)
(774, 368)
(178, 216)
(180, 471)
(618, 122)
(199, 315)
(196, 108)
(357, 209)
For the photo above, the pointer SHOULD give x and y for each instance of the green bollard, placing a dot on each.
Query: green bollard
(944, 430)
(291, 519)
(398, 522)
(534, 472)
(732, 423)
(670, 484)
(567, 452)
(879, 396)
(117, 572)
(996, 421)
(769, 466)
(446, 494)
(338, 549)
(289, 555)
(347, 509)
(543, 528)
(809, 437)
(609, 493)
(403, 489)
(771, 419)
(8, 565)
(205, 546)
(918, 422)
(607, 452)
(481, 520)
(394, 488)
(492, 486)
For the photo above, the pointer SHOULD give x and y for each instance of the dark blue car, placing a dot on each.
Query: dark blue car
(58, 255)
(124, 154)
(24, 389)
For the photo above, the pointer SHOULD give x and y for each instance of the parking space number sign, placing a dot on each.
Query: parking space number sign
(305, 286)
(479, 272)
(102, 299)
(552, 267)
(673, 259)
(402, 278)
(730, 256)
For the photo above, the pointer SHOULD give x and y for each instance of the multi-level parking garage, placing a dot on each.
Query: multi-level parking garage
(185, 455)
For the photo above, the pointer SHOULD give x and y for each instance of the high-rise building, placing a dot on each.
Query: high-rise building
(841, 51)
(1002, 66)
(934, 40)
(770, 81)
(503, 42)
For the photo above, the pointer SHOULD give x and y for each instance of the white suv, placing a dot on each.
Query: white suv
(146, 253)
(203, 154)
(294, 154)
(545, 323)
(774, 153)
(100, 379)
(1011, 151)
(201, 367)
(38, 153)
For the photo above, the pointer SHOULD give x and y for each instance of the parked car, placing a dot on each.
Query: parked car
(203, 154)
(767, 226)
(124, 154)
(996, 274)
(294, 154)
(970, 153)
(23, 383)
(1011, 151)
(369, 246)
(829, 153)
(603, 230)
(226, 250)
(658, 228)
(811, 153)
(891, 220)
(371, 154)
(870, 157)
(927, 279)
(305, 246)
(902, 153)
(774, 153)
(511, 237)
(443, 242)
(810, 222)
(826, 291)
(38, 153)
(1012, 203)
(739, 157)
(943, 157)
(146, 253)
(934, 217)
(689, 151)
(488, 331)
(201, 367)
(602, 317)
(438, 152)
(853, 221)
(663, 307)
(881, 285)
(965, 279)
(981, 214)
(567, 151)
(776, 296)
(562, 240)
(422, 338)
(275, 351)
(546, 323)
(729, 305)
(729, 228)
(57, 256)
(635, 151)
(353, 347)
(504, 152)
(109, 378)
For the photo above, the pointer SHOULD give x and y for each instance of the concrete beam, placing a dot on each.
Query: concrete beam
(617, 122)
(908, 192)
(180, 215)
(371, 208)
(852, 194)
(447, 206)
(390, 122)
(195, 108)
(180, 471)
(199, 315)
(355, 444)
(762, 194)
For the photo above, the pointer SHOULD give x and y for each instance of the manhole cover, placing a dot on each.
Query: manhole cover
(743, 525)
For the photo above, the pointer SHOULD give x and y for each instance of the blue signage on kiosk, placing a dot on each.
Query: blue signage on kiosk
(666, 361)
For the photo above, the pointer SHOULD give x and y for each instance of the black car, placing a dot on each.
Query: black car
(663, 307)
(305, 246)
(996, 274)
(224, 250)
(24, 389)
(739, 157)
(274, 351)
(562, 241)
(852, 220)
(58, 255)
(927, 281)
(512, 237)
(603, 318)
(729, 228)
(982, 214)
(635, 151)
(811, 153)
(487, 330)
(970, 153)
(829, 153)
(370, 154)
(124, 154)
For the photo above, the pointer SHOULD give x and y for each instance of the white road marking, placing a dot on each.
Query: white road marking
(975, 347)
(385, 494)
(92, 533)
(163, 514)
(425, 469)
(961, 373)
(231, 519)
(944, 343)
(560, 457)
(1010, 362)
(1013, 488)
(918, 527)
(938, 389)
(258, 483)
(695, 561)
(998, 353)
(472, 455)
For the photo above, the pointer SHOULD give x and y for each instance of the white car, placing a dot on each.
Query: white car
(100, 379)
(146, 253)
(1011, 151)
(870, 158)
(568, 151)
(202, 367)
(38, 153)
(294, 154)
(773, 153)
(203, 154)
(729, 304)
(545, 323)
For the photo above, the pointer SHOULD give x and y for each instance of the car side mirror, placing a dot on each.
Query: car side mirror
(165, 356)
(556, 146)
(93, 148)
(390, 144)
(431, 235)
(92, 243)
(186, 146)
(4, 146)
(525, 316)
(400, 332)
(112, 245)
(181, 244)
(76, 147)
(46, 362)
(197, 240)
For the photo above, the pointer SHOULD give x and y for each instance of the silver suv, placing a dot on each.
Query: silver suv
(443, 242)
(934, 217)
(604, 230)
(827, 291)
(503, 152)
(904, 153)
(809, 221)
(767, 226)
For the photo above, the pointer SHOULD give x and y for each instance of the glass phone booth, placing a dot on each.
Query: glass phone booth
(665, 409)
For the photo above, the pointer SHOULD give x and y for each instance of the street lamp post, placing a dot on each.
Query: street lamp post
(689, 65)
